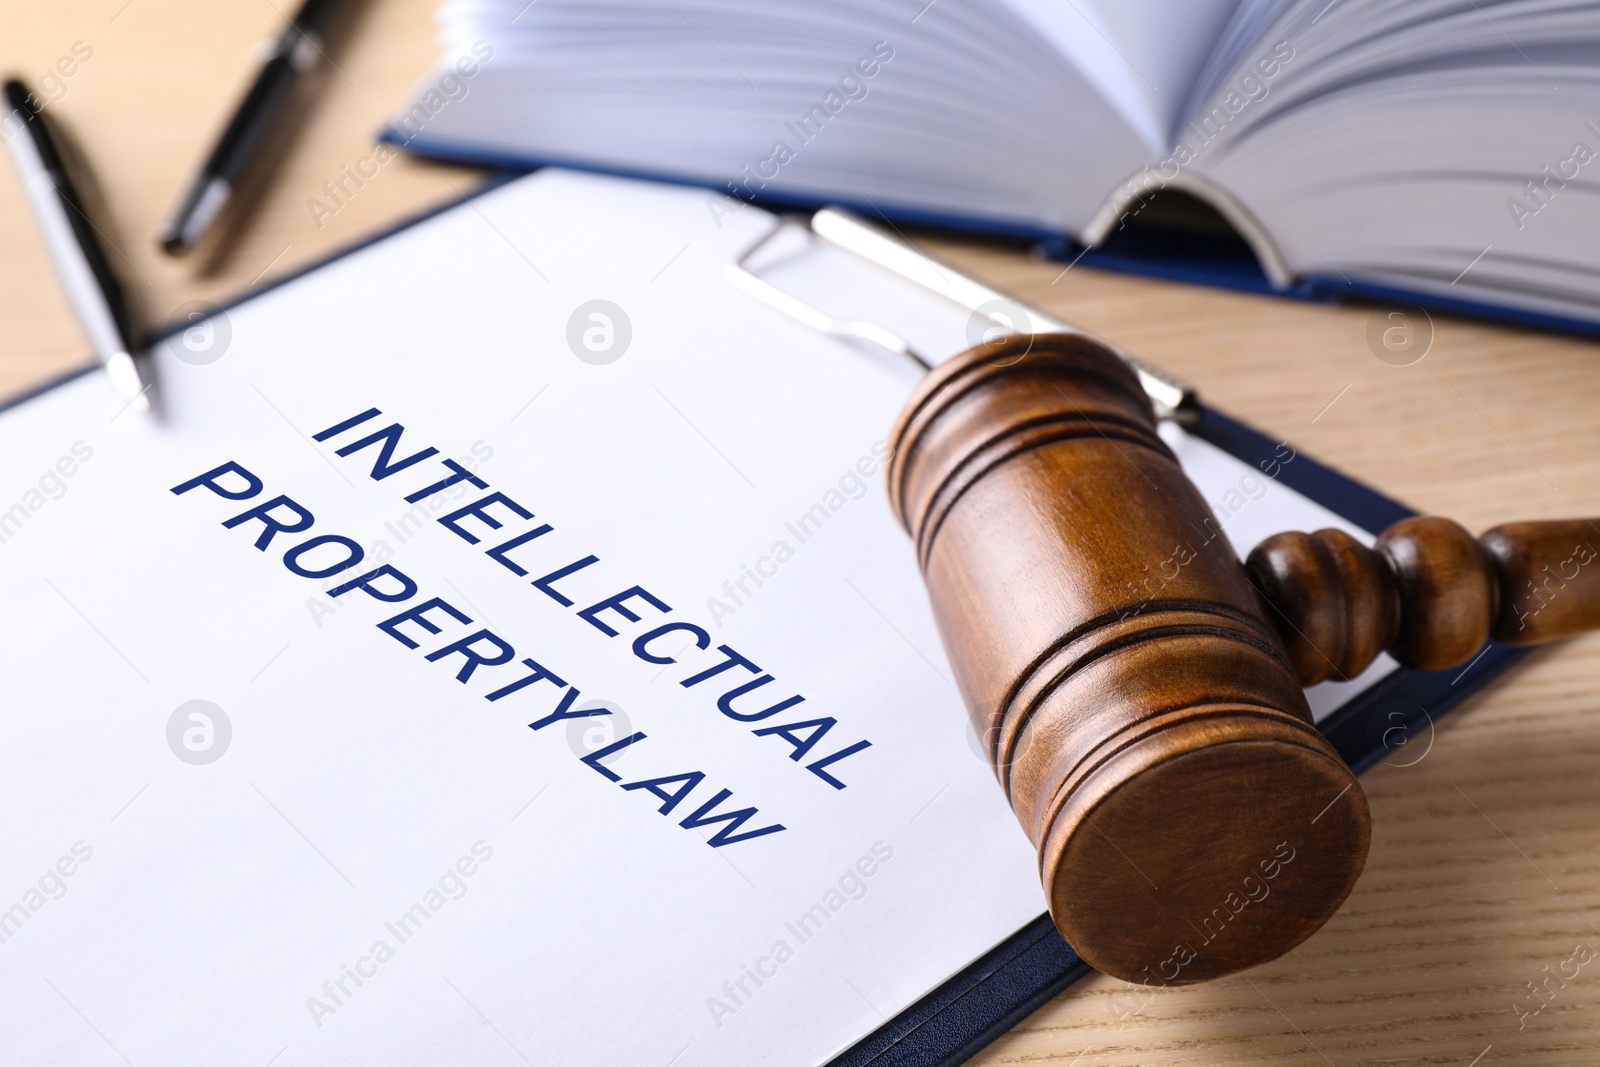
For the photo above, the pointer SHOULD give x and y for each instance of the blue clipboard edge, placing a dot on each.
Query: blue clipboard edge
(1018, 976)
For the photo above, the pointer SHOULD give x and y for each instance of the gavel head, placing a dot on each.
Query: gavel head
(1138, 708)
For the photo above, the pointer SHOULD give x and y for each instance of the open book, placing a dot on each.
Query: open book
(1441, 147)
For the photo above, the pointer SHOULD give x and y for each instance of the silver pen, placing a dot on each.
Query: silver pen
(70, 236)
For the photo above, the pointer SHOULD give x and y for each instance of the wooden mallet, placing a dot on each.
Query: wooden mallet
(1139, 689)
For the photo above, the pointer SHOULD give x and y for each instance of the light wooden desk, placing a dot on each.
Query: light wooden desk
(1485, 870)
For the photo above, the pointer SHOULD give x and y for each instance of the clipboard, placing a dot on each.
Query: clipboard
(1017, 975)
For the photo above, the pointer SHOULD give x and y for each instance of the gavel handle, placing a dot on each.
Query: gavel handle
(1426, 591)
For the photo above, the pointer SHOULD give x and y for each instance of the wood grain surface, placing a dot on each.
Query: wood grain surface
(1484, 875)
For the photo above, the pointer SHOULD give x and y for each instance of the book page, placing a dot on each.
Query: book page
(1479, 155)
(902, 107)
(1144, 55)
(501, 652)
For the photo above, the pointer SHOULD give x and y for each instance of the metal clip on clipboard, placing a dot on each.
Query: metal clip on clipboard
(1172, 398)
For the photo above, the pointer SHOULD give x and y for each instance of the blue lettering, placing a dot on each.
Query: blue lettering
(669, 798)
(734, 819)
(619, 604)
(252, 484)
(387, 438)
(479, 509)
(471, 659)
(353, 555)
(418, 615)
(791, 732)
(270, 526)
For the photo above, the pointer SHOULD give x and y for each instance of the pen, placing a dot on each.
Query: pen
(91, 286)
(238, 149)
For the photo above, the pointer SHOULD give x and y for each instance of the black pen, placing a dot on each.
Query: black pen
(237, 150)
(69, 235)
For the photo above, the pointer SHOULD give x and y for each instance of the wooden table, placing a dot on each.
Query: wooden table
(1484, 873)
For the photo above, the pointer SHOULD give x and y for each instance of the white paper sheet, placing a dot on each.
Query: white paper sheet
(381, 866)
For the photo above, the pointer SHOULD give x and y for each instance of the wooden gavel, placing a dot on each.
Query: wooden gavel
(1139, 689)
